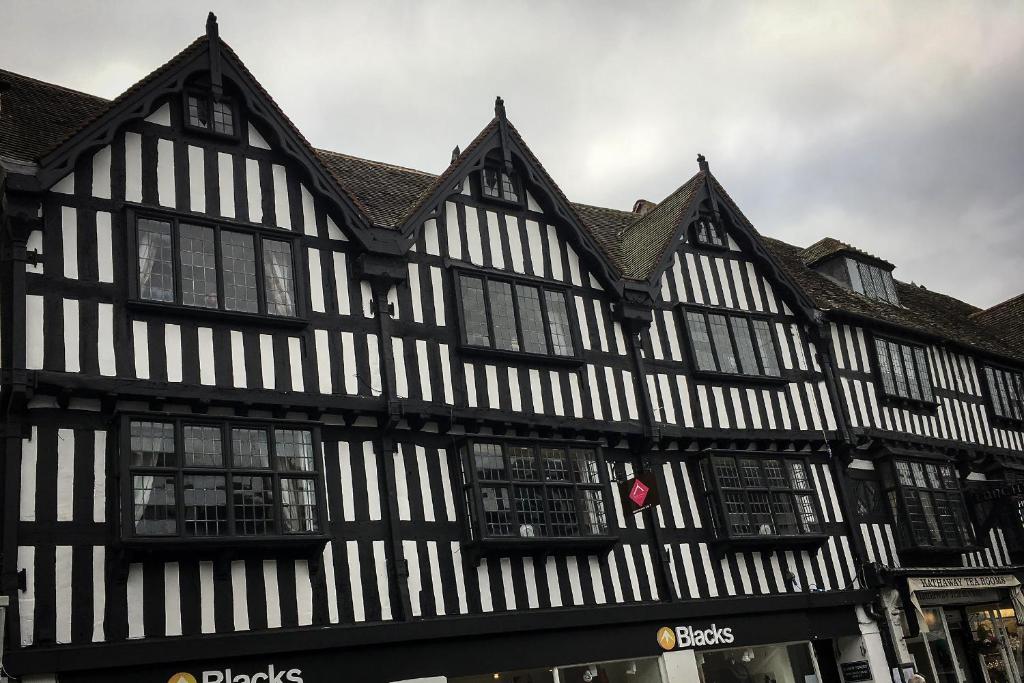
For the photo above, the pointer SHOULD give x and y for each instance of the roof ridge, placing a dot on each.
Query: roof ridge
(1002, 304)
(382, 164)
(53, 85)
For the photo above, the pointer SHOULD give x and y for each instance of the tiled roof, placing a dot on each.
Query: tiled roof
(1005, 319)
(383, 191)
(36, 116)
(830, 246)
(921, 310)
(644, 242)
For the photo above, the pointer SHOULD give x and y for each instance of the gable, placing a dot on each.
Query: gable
(154, 105)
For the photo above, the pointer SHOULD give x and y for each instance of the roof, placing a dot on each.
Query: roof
(828, 247)
(921, 310)
(35, 117)
(1007, 320)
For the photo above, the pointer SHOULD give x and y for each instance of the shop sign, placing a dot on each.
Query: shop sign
(997, 492)
(958, 588)
(270, 675)
(856, 672)
(639, 493)
(683, 637)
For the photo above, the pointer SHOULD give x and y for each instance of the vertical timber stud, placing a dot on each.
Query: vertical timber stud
(635, 312)
(383, 273)
(19, 215)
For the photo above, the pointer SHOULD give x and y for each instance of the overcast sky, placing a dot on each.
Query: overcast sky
(897, 127)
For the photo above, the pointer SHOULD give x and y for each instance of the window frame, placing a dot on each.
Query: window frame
(227, 469)
(879, 377)
(716, 225)
(750, 318)
(207, 96)
(259, 234)
(868, 270)
(990, 399)
(475, 527)
(722, 528)
(501, 199)
(549, 357)
(905, 538)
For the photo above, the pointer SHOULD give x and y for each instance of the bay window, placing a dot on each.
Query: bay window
(927, 504)
(1005, 393)
(205, 480)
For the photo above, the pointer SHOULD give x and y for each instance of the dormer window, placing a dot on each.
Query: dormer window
(872, 281)
(497, 184)
(707, 231)
(202, 112)
(1005, 393)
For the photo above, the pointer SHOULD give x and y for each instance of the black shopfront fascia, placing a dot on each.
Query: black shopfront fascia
(478, 644)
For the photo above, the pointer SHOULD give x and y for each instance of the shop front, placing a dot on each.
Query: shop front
(785, 646)
(960, 629)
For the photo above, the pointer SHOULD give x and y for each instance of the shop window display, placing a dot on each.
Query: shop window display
(646, 670)
(763, 664)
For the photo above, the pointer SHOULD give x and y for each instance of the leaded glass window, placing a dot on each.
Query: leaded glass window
(927, 503)
(903, 369)
(733, 344)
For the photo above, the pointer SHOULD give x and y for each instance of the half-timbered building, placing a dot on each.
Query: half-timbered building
(277, 413)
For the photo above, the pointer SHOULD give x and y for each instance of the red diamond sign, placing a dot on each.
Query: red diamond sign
(638, 494)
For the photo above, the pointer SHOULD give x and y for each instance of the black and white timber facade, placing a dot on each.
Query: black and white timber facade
(274, 413)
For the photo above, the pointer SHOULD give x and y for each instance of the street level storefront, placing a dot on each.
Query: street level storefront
(958, 629)
(787, 646)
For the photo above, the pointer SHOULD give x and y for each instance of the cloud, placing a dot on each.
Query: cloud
(894, 126)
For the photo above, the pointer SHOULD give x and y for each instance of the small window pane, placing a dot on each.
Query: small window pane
(503, 316)
(298, 506)
(903, 473)
(489, 182)
(156, 261)
(701, 341)
(198, 266)
(294, 449)
(890, 289)
(897, 367)
(250, 448)
(585, 466)
(885, 367)
(556, 466)
(562, 503)
(152, 444)
(529, 511)
(198, 112)
(206, 505)
(531, 319)
(238, 258)
(558, 323)
(750, 474)
(278, 276)
(154, 503)
(202, 446)
(798, 475)
(775, 475)
(766, 348)
(923, 375)
(522, 462)
(809, 523)
(253, 498)
(474, 311)
(786, 523)
(508, 188)
(761, 516)
(741, 333)
(497, 509)
(223, 118)
(490, 465)
(726, 472)
(723, 344)
(913, 384)
(736, 514)
(592, 518)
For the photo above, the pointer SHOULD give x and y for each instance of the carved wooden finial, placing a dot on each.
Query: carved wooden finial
(456, 153)
(702, 163)
(499, 107)
(212, 29)
(213, 38)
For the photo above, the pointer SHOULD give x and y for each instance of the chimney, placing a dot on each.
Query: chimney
(642, 206)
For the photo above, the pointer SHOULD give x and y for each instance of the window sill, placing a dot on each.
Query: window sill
(521, 356)
(801, 541)
(226, 546)
(546, 545)
(174, 310)
(910, 403)
(738, 377)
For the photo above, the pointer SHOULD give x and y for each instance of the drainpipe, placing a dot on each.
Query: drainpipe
(635, 313)
(383, 273)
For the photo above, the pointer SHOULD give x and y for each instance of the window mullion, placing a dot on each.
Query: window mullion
(261, 293)
(714, 347)
(542, 296)
(275, 481)
(218, 258)
(176, 260)
(227, 453)
(518, 317)
(179, 456)
(486, 286)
